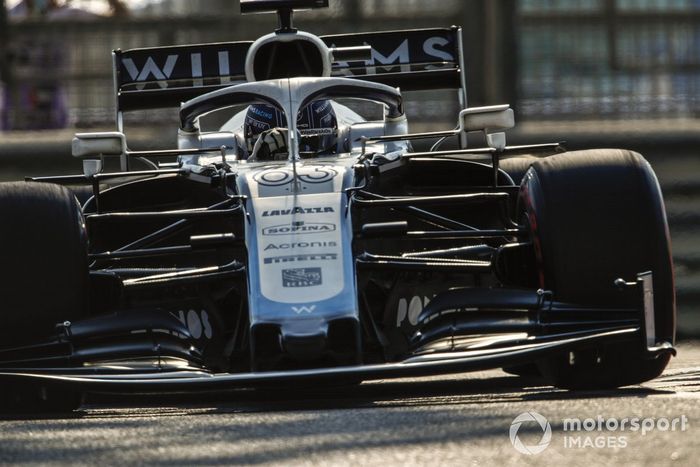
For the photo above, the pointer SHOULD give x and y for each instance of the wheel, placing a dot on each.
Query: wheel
(596, 216)
(44, 273)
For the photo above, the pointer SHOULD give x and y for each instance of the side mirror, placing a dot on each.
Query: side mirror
(492, 120)
(489, 119)
(88, 145)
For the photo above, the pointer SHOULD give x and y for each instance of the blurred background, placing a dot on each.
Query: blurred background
(592, 73)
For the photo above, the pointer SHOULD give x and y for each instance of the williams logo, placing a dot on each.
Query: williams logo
(299, 227)
(302, 277)
(296, 210)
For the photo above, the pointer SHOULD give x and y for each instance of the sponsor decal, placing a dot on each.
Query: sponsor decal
(304, 309)
(289, 246)
(302, 277)
(317, 131)
(150, 68)
(197, 323)
(208, 65)
(219, 63)
(431, 52)
(296, 210)
(299, 227)
(261, 112)
(283, 244)
(410, 308)
(297, 258)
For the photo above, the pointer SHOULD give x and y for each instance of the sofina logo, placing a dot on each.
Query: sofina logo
(299, 227)
(529, 417)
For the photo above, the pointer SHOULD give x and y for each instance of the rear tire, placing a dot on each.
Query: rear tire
(44, 269)
(596, 216)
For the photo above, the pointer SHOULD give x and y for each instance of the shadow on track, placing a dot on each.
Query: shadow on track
(414, 393)
(392, 393)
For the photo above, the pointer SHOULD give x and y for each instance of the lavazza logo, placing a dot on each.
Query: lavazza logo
(589, 433)
(296, 210)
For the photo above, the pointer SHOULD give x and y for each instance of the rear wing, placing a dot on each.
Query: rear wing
(161, 77)
(413, 60)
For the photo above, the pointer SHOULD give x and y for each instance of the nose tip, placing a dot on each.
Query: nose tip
(305, 340)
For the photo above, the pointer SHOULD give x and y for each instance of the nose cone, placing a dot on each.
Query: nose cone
(307, 342)
(304, 340)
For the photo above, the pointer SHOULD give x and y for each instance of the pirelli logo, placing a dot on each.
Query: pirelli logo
(299, 258)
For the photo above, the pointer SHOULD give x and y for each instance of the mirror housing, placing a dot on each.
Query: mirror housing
(91, 145)
(491, 120)
(88, 145)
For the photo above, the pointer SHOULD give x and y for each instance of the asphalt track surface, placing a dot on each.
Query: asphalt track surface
(461, 420)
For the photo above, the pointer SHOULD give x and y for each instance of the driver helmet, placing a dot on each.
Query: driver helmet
(317, 125)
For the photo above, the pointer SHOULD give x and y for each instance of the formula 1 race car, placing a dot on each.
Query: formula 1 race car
(302, 242)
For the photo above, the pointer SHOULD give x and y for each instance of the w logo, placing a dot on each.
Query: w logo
(303, 309)
(151, 68)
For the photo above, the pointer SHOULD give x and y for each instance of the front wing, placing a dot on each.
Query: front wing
(177, 379)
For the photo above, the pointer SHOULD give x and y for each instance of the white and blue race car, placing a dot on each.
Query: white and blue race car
(323, 247)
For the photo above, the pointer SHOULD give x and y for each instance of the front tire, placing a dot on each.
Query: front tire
(596, 216)
(43, 273)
